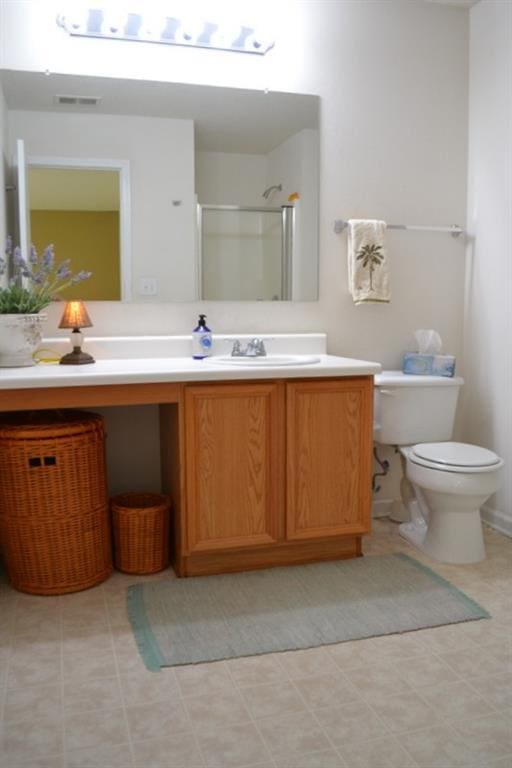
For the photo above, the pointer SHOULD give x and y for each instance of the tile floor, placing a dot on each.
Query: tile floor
(75, 694)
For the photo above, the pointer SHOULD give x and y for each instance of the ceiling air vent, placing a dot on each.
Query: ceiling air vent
(80, 101)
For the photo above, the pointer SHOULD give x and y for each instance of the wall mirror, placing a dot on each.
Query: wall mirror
(222, 184)
(81, 205)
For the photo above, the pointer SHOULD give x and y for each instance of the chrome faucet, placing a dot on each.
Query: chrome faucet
(254, 348)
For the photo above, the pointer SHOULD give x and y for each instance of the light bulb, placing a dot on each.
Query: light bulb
(77, 22)
(113, 23)
(225, 35)
(258, 41)
(191, 28)
(152, 27)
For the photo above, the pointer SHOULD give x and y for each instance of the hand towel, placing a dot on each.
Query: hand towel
(368, 269)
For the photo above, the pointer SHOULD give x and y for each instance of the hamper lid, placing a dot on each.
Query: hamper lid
(34, 424)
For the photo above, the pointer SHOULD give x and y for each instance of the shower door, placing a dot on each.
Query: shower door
(245, 253)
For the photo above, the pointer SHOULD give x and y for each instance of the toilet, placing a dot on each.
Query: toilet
(445, 483)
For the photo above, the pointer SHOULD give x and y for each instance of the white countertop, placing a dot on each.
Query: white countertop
(157, 359)
(172, 369)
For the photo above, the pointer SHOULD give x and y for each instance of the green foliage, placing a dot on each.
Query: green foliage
(16, 300)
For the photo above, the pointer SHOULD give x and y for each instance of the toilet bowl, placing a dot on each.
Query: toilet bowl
(445, 483)
(451, 481)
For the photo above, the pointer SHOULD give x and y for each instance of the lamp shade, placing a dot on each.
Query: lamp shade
(75, 316)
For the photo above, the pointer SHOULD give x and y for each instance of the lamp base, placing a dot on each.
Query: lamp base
(77, 357)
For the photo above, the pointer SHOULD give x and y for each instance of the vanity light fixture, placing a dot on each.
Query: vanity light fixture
(75, 316)
(171, 30)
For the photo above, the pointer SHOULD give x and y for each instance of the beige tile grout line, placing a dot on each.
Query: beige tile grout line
(178, 690)
(118, 675)
(460, 679)
(450, 723)
(192, 729)
(8, 657)
(62, 699)
(387, 730)
(414, 730)
(8, 669)
(251, 718)
(497, 710)
(311, 711)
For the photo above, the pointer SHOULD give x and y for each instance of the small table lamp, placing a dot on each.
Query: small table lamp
(75, 316)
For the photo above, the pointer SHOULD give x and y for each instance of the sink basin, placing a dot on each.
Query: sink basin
(265, 360)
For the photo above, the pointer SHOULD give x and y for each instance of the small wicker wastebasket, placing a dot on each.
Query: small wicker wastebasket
(54, 524)
(140, 524)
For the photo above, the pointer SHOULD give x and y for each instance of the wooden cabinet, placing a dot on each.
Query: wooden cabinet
(276, 472)
(329, 451)
(234, 446)
(260, 473)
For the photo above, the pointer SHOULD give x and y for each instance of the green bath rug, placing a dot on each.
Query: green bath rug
(208, 618)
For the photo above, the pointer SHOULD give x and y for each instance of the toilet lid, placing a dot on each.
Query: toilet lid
(455, 454)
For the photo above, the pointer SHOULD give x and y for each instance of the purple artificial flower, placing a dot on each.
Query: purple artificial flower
(33, 255)
(48, 257)
(38, 277)
(82, 275)
(63, 271)
(17, 258)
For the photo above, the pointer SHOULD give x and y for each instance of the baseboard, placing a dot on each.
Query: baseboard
(497, 520)
(382, 507)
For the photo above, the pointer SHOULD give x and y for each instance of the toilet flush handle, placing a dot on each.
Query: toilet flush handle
(389, 392)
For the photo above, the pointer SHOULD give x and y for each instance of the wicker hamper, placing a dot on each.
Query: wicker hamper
(141, 532)
(54, 524)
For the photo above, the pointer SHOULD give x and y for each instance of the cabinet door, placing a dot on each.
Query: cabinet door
(235, 465)
(329, 457)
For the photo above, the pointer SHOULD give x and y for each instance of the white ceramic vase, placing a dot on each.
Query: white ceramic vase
(20, 335)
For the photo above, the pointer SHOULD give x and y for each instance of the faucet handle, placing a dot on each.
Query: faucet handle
(257, 347)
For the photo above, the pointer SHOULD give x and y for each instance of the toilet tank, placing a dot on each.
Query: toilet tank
(414, 409)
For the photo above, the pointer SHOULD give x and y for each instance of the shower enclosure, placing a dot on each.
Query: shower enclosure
(245, 252)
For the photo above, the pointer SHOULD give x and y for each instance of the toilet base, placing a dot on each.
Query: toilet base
(449, 537)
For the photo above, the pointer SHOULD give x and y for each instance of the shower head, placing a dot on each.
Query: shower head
(267, 192)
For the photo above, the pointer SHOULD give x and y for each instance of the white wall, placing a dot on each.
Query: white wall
(294, 165)
(3, 174)
(229, 178)
(161, 170)
(487, 414)
(392, 81)
(393, 86)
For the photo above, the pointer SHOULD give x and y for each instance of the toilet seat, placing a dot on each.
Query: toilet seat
(455, 457)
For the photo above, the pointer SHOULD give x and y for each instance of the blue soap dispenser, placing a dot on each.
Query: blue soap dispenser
(201, 340)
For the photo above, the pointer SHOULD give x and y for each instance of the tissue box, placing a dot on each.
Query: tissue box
(428, 365)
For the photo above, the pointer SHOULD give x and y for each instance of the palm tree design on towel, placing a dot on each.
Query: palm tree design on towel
(371, 256)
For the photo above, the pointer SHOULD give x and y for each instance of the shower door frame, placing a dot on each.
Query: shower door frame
(287, 240)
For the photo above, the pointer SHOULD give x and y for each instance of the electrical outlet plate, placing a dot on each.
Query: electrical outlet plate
(148, 286)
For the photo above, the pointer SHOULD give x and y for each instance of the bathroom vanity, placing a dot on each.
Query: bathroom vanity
(266, 465)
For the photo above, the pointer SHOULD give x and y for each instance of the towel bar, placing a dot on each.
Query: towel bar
(454, 230)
